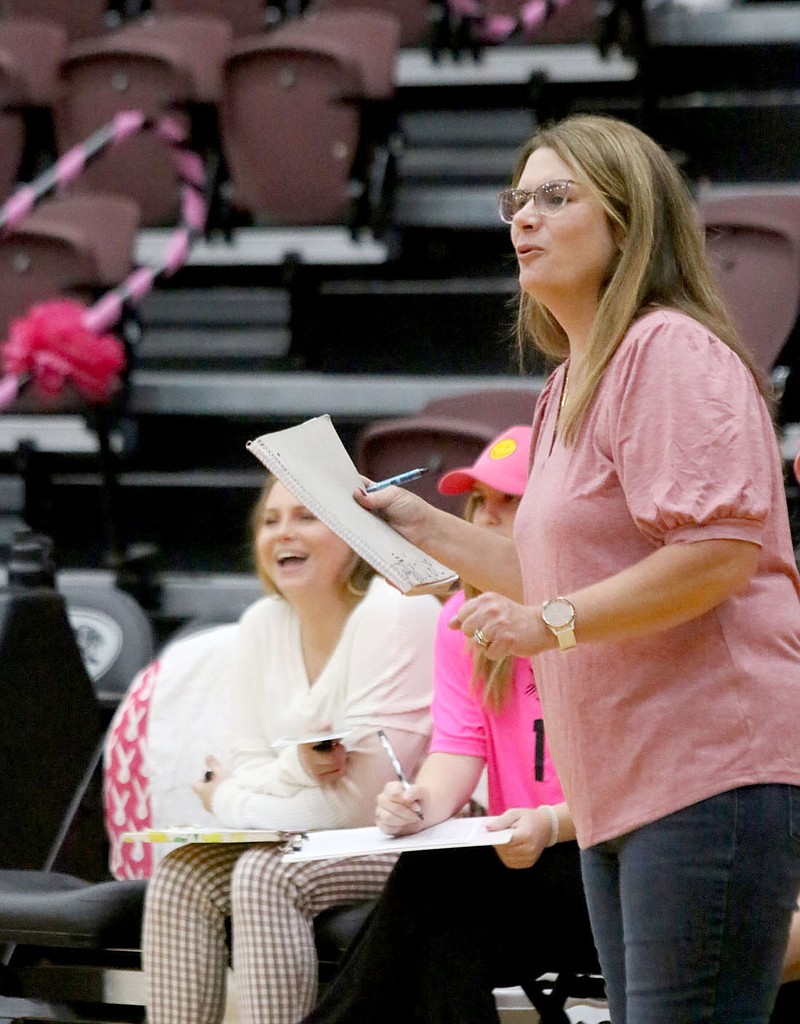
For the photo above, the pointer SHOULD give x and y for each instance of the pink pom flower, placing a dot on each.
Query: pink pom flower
(52, 344)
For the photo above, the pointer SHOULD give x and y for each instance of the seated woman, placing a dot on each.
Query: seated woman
(452, 925)
(331, 647)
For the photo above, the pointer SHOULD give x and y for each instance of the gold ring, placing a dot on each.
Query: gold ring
(480, 638)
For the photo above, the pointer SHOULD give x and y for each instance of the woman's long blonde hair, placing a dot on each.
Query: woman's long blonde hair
(492, 680)
(662, 255)
(359, 572)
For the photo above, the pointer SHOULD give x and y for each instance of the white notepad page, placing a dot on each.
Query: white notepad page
(312, 463)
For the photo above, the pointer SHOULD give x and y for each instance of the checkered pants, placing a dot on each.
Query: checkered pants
(272, 906)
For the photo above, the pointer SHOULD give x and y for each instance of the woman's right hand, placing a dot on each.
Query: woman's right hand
(394, 809)
(403, 511)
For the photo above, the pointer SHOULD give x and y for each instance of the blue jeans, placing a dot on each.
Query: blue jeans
(691, 913)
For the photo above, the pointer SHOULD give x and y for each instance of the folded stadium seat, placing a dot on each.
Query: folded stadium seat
(80, 19)
(494, 407)
(155, 65)
(31, 51)
(753, 238)
(415, 17)
(246, 17)
(307, 120)
(439, 443)
(72, 246)
(446, 433)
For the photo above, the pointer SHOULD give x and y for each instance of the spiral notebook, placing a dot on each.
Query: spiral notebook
(311, 461)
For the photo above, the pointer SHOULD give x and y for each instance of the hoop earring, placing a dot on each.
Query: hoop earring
(353, 589)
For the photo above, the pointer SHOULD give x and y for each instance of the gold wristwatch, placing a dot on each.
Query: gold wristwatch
(558, 615)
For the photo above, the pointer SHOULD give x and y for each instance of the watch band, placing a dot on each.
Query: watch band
(566, 638)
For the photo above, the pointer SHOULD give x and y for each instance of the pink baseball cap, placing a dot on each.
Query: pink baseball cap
(503, 464)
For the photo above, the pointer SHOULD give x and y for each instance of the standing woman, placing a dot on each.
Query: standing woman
(332, 647)
(652, 579)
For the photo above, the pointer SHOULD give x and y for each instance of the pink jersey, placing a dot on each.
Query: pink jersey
(676, 447)
(520, 772)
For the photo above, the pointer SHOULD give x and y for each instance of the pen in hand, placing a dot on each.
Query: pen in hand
(398, 770)
(401, 478)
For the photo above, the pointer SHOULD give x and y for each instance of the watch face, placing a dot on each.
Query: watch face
(558, 613)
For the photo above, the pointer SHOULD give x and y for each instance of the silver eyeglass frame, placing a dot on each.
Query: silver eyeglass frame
(519, 198)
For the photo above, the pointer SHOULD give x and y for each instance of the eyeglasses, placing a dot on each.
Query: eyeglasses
(549, 199)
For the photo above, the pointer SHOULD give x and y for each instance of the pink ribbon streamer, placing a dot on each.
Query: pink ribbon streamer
(496, 28)
(108, 308)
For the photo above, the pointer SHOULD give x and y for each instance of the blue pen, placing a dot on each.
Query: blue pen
(401, 478)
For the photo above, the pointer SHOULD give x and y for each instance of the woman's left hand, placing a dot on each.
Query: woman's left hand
(507, 628)
(206, 787)
(531, 835)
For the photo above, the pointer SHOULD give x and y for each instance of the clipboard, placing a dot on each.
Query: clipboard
(359, 842)
(195, 834)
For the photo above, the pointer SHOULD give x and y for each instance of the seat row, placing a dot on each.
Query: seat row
(255, 108)
(82, 245)
(452, 24)
(254, 85)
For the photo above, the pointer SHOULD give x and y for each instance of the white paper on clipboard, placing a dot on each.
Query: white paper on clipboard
(358, 842)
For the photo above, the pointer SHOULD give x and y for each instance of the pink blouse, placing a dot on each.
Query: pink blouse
(677, 446)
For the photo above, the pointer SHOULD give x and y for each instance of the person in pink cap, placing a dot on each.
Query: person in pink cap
(452, 925)
(502, 465)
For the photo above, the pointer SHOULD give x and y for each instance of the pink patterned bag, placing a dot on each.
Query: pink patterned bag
(175, 712)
